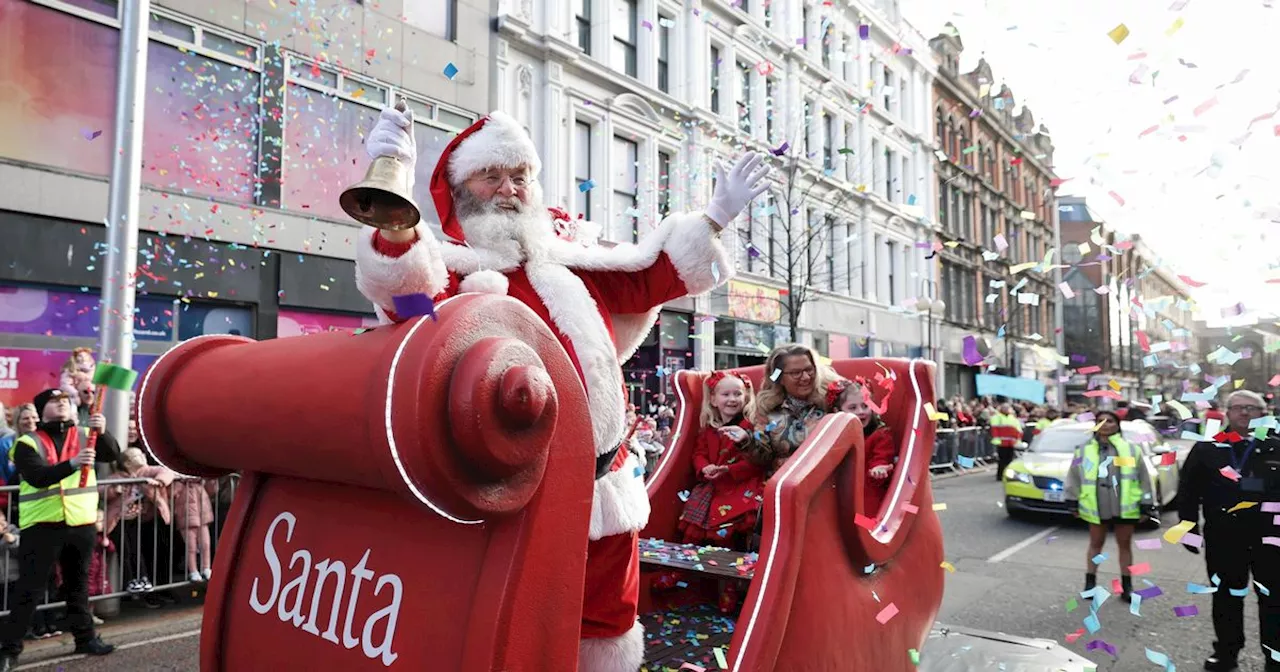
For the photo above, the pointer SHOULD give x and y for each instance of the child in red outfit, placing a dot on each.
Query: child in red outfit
(881, 449)
(723, 507)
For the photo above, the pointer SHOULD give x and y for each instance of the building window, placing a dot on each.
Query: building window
(808, 129)
(582, 166)
(851, 160)
(905, 181)
(893, 272)
(828, 142)
(583, 19)
(828, 44)
(715, 79)
(768, 14)
(770, 87)
(966, 213)
(888, 174)
(804, 25)
(943, 218)
(941, 130)
(626, 226)
(829, 223)
(744, 97)
(888, 88)
(876, 170)
(664, 53)
(664, 183)
(624, 36)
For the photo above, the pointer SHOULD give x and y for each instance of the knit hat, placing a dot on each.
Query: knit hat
(46, 397)
(495, 141)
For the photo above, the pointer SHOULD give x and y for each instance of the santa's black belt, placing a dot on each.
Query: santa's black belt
(606, 463)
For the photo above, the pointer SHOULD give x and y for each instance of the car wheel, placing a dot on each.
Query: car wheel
(1013, 513)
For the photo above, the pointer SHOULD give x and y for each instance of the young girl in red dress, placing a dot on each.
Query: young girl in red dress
(722, 508)
(853, 396)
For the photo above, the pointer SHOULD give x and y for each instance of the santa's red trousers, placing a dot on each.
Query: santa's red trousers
(612, 596)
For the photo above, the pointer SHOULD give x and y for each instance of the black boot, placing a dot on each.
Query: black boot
(1090, 581)
(8, 662)
(1220, 663)
(1126, 588)
(94, 647)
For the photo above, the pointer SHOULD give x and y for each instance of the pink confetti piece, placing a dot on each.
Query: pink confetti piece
(1071, 638)
(912, 508)
(1118, 198)
(1192, 539)
(887, 613)
(1148, 544)
(1205, 106)
(1230, 473)
(694, 668)
(1142, 567)
(1271, 507)
(1149, 131)
(1271, 541)
(864, 522)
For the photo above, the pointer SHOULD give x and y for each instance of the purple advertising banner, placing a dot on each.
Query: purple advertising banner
(51, 312)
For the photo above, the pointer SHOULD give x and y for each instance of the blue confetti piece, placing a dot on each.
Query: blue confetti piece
(450, 70)
(1091, 622)
(911, 200)
(1215, 580)
(1197, 589)
(1238, 592)
(1261, 589)
(638, 473)
(715, 272)
(683, 495)
(869, 568)
(587, 186)
(1099, 558)
(964, 462)
(1135, 605)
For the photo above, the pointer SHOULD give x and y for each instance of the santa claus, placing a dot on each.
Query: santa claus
(599, 301)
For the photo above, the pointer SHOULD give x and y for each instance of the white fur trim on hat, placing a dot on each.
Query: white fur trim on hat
(624, 653)
(484, 282)
(500, 142)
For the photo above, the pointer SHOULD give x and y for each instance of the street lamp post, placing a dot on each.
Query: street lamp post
(927, 305)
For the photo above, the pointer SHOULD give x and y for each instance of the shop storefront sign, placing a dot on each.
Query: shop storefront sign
(754, 302)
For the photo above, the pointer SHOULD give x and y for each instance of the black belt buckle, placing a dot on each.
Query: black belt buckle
(605, 461)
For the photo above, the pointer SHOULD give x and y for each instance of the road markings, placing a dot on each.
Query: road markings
(122, 647)
(1004, 555)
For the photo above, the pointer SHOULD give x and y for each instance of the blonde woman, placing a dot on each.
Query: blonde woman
(791, 400)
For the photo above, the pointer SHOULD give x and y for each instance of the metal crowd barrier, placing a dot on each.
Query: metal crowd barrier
(953, 443)
(149, 554)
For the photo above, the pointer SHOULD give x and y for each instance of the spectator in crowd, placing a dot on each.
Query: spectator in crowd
(99, 581)
(10, 537)
(85, 389)
(25, 420)
(791, 400)
(1111, 487)
(193, 514)
(5, 430)
(1218, 480)
(647, 439)
(134, 507)
(81, 361)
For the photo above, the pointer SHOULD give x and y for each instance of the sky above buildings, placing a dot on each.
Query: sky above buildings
(1172, 134)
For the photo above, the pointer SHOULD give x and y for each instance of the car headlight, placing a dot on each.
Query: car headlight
(1011, 475)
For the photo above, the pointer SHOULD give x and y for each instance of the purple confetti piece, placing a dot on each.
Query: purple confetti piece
(646, 24)
(752, 251)
(1148, 593)
(864, 32)
(971, 355)
(782, 149)
(1189, 610)
(414, 305)
(89, 134)
(975, 114)
(1099, 644)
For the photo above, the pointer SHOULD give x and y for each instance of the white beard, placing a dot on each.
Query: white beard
(509, 234)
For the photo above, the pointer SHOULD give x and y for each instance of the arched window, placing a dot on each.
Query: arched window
(942, 129)
(964, 144)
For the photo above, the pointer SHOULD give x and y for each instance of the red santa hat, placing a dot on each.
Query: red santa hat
(495, 141)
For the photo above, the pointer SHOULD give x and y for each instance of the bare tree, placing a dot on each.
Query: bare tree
(795, 241)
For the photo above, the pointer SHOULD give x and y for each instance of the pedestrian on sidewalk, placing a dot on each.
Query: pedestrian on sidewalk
(1110, 486)
(1228, 483)
(57, 518)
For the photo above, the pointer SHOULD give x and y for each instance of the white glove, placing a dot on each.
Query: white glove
(734, 191)
(393, 136)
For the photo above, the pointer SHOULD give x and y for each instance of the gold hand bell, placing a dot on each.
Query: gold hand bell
(383, 199)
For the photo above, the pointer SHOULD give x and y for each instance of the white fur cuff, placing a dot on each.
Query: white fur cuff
(485, 282)
(620, 503)
(697, 253)
(418, 271)
(624, 653)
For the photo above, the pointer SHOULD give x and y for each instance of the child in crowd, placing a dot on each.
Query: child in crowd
(193, 512)
(99, 581)
(878, 443)
(723, 507)
(81, 361)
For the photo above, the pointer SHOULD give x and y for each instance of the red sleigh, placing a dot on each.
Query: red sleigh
(821, 579)
(402, 505)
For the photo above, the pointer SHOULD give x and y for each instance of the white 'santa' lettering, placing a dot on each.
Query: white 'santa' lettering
(289, 601)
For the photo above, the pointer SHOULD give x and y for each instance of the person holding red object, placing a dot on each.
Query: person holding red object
(600, 302)
(853, 396)
(723, 507)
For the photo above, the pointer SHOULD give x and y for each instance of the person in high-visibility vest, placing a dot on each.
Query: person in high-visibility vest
(1047, 417)
(1006, 432)
(57, 516)
(1110, 483)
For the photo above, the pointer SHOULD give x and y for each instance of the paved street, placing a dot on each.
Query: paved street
(1016, 576)
(167, 641)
